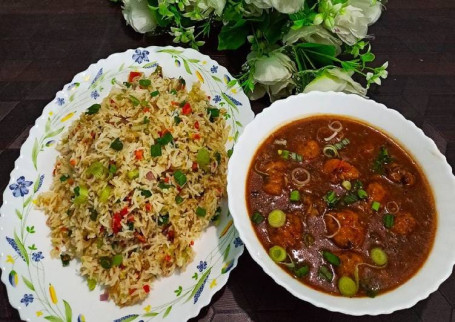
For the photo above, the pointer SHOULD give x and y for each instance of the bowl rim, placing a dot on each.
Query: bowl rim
(282, 112)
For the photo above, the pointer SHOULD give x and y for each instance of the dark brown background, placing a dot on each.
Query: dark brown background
(43, 44)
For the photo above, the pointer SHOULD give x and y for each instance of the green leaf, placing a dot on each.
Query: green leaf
(233, 35)
(54, 133)
(193, 60)
(53, 318)
(318, 53)
(18, 214)
(168, 310)
(195, 275)
(27, 201)
(21, 248)
(33, 247)
(71, 98)
(178, 291)
(170, 51)
(226, 252)
(36, 185)
(47, 127)
(130, 318)
(230, 102)
(68, 311)
(28, 283)
(238, 123)
(35, 151)
(217, 79)
(187, 67)
(199, 283)
(150, 314)
(149, 65)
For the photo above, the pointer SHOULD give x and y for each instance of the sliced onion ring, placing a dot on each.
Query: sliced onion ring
(298, 182)
(338, 223)
(338, 126)
(259, 171)
(392, 207)
(334, 134)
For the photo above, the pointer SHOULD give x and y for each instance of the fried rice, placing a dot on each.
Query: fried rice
(137, 179)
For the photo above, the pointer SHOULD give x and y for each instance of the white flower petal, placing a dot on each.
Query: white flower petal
(287, 6)
(138, 15)
(313, 34)
(351, 25)
(273, 68)
(337, 80)
(371, 10)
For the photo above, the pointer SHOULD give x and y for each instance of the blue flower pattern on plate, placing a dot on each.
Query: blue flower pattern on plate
(27, 299)
(98, 75)
(214, 69)
(237, 103)
(94, 94)
(60, 101)
(202, 265)
(238, 242)
(13, 244)
(140, 55)
(200, 289)
(41, 179)
(217, 99)
(37, 256)
(20, 187)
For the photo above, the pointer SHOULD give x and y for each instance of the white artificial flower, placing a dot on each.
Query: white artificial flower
(272, 74)
(336, 80)
(138, 15)
(372, 9)
(313, 34)
(216, 5)
(283, 6)
(350, 24)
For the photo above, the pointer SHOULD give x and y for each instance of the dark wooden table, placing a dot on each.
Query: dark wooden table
(43, 44)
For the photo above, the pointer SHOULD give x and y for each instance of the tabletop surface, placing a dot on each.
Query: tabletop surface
(43, 44)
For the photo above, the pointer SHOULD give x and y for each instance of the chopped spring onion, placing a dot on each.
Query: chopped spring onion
(389, 220)
(93, 214)
(296, 157)
(93, 109)
(277, 253)
(163, 185)
(325, 273)
(284, 154)
(335, 126)
(80, 195)
(91, 283)
(117, 260)
(302, 271)
(382, 159)
(347, 286)
(155, 93)
(218, 157)
(378, 256)
(145, 82)
(203, 157)
(112, 168)
(213, 112)
(155, 150)
(105, 262)
(296, 180)
(64, 177)
(330, 151)
(276, 218)
(165, 139)
(346, 185)
(350, 198)
(201, 212)
(146, 193)
(134, 100)
(104, 194)
(375, 205)
(295, 195)
(331, 199)
(257, 217)
(133, 174)
(177, 120)
(163, 219)
(343, 143)
(180, 178)
(117, 145)
(178, 199)
(362, 194)
(331, 258)
(97, 169)
(146, 120)
(65, 258)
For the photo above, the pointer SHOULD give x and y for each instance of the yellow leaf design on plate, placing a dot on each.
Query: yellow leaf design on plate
(39, 313)
(213, 284)
(10, 259)
(147, 308)
(67, 117)
(199, 76)
(225, 230)
(52, 294)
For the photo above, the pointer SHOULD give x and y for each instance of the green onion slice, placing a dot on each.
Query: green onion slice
(331, 258)
(276, 218)
(347, 286)
(277, 253)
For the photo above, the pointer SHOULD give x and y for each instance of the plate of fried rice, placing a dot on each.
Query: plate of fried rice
(116, 208)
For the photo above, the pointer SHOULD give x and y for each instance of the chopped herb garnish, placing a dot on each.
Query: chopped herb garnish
(257, 218)
(331, 199)
(180, 178)
(105, 262)
(382, 159)
(93, 109)
(146, 120)
(134, 100)
(173, 91)
(331, 258)
(155, 150)
(362, 194)
(145, 82)
(127, 84)
(350, 198)
(230, 151)
(130, 225)
(218, 157)
(112, 168)
(91, 283)
(155, 93)
(203, 157)
(146, 193)
(117, 260)
(64, 177)
(117, 145)
(294, 195)
(389, 220)
(163, 219)
(217, 214)
(375, 206)
(213, 113)
(201, 212)
(358, 185)
(65, 258)
(77, 190)
(284, 154)
(325, 273)
(178, 199)
(177, 120)
(165, 139)
(163, 185)
(182, 103)
(93, 214)
(302, 271)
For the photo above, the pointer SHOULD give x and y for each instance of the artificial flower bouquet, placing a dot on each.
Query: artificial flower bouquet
(295, 45)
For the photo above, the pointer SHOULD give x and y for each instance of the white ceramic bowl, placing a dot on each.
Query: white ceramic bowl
(438, 265)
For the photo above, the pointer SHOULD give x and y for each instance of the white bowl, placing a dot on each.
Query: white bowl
(441, 259)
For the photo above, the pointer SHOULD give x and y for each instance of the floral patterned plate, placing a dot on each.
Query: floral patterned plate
(38, 286)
